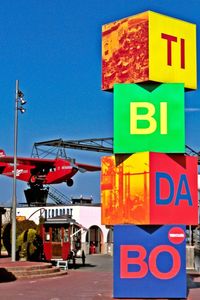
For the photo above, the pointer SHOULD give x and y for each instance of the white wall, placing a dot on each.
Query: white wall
(87, 216)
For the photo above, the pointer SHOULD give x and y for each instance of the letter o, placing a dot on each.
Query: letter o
(175, 266)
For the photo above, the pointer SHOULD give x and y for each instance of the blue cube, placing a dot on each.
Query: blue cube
(149, 261)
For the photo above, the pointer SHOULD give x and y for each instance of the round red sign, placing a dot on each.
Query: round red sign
(176, 235)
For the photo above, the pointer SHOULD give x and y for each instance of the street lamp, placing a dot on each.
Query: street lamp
(19, 102)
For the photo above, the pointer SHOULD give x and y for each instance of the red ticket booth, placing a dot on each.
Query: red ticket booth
(56, 235)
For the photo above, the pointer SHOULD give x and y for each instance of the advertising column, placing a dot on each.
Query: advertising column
(149, 187)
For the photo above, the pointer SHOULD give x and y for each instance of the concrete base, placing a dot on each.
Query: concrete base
(190, 257)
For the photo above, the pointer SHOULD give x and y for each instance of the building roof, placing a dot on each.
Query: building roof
(63, 219)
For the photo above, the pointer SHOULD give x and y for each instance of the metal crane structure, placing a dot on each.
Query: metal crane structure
(191, 152)
(57, 148)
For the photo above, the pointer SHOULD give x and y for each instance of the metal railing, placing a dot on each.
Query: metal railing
(58, 197)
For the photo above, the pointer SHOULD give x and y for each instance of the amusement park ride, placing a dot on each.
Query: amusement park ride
(40, 172)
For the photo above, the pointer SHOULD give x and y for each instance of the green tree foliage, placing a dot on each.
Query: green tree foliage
(28, 243)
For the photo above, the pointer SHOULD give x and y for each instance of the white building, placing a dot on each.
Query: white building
(89, 216)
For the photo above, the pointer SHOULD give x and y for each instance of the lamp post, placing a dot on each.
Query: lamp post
(19, 102)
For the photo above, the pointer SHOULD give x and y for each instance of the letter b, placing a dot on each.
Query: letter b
(125, 261)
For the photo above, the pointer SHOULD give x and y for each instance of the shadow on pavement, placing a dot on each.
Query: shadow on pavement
(6, 276)
(78, 266)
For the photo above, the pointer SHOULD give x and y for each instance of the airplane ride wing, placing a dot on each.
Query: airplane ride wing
(37, 162)
(43, 162)
(88, 167)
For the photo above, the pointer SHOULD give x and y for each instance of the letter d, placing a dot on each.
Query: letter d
(163, 176)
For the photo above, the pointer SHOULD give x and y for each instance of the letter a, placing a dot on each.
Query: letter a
(186, 196)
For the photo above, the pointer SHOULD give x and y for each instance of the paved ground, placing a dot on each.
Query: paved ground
(92, 282)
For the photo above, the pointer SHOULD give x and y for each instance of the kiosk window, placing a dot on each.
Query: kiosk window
(56, 235)
(66, 235)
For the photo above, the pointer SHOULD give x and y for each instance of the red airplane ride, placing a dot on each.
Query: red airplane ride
(39, 171)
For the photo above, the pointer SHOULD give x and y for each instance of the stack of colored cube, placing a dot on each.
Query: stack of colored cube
(149, 186)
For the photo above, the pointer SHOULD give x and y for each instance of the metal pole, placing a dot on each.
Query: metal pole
(190, 234)
(14, 198)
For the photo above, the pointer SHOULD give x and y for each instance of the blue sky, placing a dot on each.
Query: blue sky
(54, 49)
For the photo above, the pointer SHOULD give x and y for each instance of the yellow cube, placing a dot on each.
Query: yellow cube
(149, 47)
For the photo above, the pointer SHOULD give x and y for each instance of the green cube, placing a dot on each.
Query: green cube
(149, 118)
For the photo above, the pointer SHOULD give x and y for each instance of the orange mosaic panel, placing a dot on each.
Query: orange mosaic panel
(125, 189)
(125, 51)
